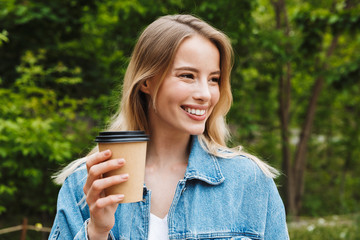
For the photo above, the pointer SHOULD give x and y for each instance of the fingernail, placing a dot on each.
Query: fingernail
(120, 197)
(121, 161)
(107, 153)
(125, 176)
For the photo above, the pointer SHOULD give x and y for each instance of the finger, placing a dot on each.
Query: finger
(101, 184)
(96, 171)
(107, 201)
(97, 158)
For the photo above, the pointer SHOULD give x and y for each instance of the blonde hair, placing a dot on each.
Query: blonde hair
(152, 56)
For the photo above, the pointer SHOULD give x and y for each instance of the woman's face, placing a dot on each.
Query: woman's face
(190, 89)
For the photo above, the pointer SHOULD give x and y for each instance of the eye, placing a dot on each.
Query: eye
(187, 75)
(215, 79)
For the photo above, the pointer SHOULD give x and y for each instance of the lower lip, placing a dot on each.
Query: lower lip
(195, 117)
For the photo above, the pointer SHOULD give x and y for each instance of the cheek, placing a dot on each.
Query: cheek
(178, 93)
(215, 96)
(173, 96)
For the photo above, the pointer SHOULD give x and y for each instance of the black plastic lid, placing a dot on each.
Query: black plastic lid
(122, 136)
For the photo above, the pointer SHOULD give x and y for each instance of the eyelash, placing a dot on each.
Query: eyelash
(191, 76)
(187, 75)
(215, 79)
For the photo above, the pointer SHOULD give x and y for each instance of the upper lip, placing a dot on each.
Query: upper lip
(200, 107)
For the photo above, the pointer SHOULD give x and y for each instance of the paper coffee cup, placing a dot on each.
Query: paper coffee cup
(131, 146)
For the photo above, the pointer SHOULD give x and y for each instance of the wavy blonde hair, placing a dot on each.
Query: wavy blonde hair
(152, 56)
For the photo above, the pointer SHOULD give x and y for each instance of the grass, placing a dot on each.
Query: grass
(326, 228)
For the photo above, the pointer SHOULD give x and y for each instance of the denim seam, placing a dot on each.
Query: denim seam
(216, 235)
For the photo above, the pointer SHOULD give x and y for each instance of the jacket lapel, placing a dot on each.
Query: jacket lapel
(202, 165)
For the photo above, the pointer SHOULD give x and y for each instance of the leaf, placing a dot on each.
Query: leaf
(333, 19)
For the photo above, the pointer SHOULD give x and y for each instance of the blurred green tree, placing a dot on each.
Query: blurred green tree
(35, 134)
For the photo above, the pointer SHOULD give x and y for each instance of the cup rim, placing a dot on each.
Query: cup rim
(121, 136)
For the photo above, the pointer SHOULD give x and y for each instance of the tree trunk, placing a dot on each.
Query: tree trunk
(284, 99)
(301, 150)
(294, 170)
(284, 109)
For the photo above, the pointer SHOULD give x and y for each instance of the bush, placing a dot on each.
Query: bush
(35, 134)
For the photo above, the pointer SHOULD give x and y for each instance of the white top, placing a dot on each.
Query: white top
(158, 228)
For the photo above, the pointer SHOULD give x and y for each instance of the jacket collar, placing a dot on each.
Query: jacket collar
(202, 165)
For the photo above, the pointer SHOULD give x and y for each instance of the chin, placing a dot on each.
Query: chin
(197, 131)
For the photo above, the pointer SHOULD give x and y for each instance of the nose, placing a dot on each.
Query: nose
(202, 91)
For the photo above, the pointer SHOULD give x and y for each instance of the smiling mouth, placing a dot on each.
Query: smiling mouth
(194, 111)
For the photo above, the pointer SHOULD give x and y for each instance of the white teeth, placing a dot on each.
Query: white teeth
(194, 111)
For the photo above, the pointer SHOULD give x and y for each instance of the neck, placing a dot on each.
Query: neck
(164, 150)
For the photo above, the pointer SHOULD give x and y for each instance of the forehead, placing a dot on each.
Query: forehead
(199, 52)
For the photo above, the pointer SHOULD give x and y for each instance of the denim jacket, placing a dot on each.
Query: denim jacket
(218, 198)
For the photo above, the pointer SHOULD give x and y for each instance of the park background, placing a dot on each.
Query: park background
(296, 88)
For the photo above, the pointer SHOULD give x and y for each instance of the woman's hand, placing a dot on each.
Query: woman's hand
(102, 208)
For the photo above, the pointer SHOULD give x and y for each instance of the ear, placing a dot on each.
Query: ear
(145, 86)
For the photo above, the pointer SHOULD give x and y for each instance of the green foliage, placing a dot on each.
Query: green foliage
(331, 177)
(35, 133)
(3, 37)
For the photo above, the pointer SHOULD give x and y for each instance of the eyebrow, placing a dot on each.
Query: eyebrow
(194, 70)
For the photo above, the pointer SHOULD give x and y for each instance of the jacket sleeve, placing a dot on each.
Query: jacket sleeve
(72, 213)
(276, 227)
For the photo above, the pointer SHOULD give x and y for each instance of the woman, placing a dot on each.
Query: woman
(176, 89)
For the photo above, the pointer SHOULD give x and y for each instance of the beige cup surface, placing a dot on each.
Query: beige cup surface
(134, 154)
